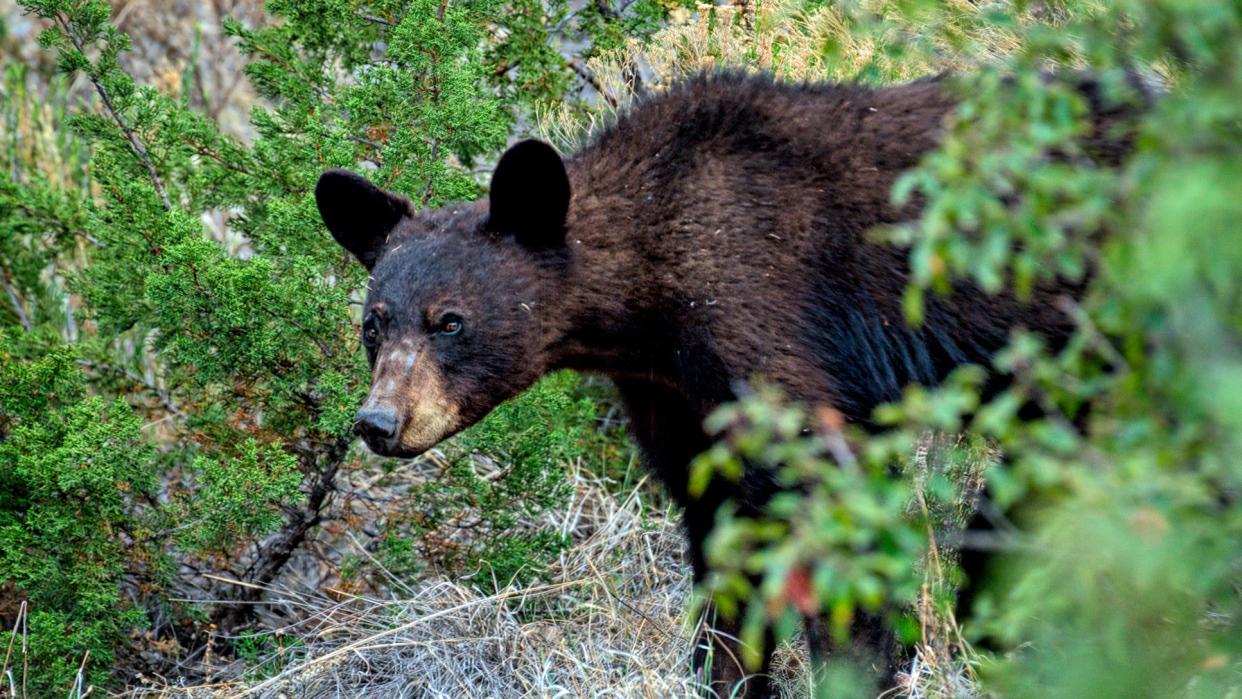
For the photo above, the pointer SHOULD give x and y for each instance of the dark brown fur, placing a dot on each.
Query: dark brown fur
(714, 234)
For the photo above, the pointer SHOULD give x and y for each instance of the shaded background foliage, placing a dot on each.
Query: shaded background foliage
(178, 359)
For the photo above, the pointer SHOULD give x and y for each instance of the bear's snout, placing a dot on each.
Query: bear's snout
(408, 410)
(377, 426)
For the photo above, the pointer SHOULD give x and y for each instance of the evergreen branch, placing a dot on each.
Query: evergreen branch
(367, 142)
(139, 149)
(313, 338)
(318, 89)
(276, 552)
(375, 20)
(61, 224)
(207, 152)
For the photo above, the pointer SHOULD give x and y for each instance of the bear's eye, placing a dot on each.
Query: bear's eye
(371, 333)
(450, 324)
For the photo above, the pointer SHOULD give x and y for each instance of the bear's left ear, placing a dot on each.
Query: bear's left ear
(530, 195)
(359, 214)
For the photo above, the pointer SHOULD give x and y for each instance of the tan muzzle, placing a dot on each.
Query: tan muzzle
(408, 411)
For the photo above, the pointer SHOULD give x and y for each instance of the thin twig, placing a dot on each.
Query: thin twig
(430, 190)
(139, 149)
(367, 142)
(279, 549)
(59, 223)
(289, 319)
(375, 20)
(1071, 308)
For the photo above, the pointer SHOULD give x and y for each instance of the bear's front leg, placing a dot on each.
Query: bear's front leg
(670, 434)
(718, 654)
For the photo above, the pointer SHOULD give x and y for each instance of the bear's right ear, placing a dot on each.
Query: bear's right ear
(359, 214)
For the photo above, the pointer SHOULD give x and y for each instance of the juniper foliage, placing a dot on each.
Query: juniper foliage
(180, 362)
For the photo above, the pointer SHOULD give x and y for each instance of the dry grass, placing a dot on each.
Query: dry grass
(610, 621)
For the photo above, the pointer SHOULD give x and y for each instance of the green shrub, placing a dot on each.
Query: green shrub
(71, 469)
(1120, 577)
(176, 280)
(483, 511)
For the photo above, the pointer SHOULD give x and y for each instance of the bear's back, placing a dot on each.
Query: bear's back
(734, 210)
(850, 139)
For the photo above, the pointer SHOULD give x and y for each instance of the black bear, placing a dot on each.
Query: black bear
(713, 234)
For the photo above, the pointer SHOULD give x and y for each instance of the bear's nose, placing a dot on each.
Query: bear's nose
(376, 425)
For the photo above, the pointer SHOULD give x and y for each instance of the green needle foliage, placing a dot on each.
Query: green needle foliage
(180, 363)
(482, 515)
(71, 468)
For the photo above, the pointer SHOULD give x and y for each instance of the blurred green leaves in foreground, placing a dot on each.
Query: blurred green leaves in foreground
(1119, 576)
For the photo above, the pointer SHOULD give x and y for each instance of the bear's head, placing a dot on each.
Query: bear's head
(454, 319)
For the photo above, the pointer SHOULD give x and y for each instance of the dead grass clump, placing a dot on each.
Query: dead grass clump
(609, 622)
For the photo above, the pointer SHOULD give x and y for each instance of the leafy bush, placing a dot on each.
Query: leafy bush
(180, 366)
(854, 549)
(1123, 494)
